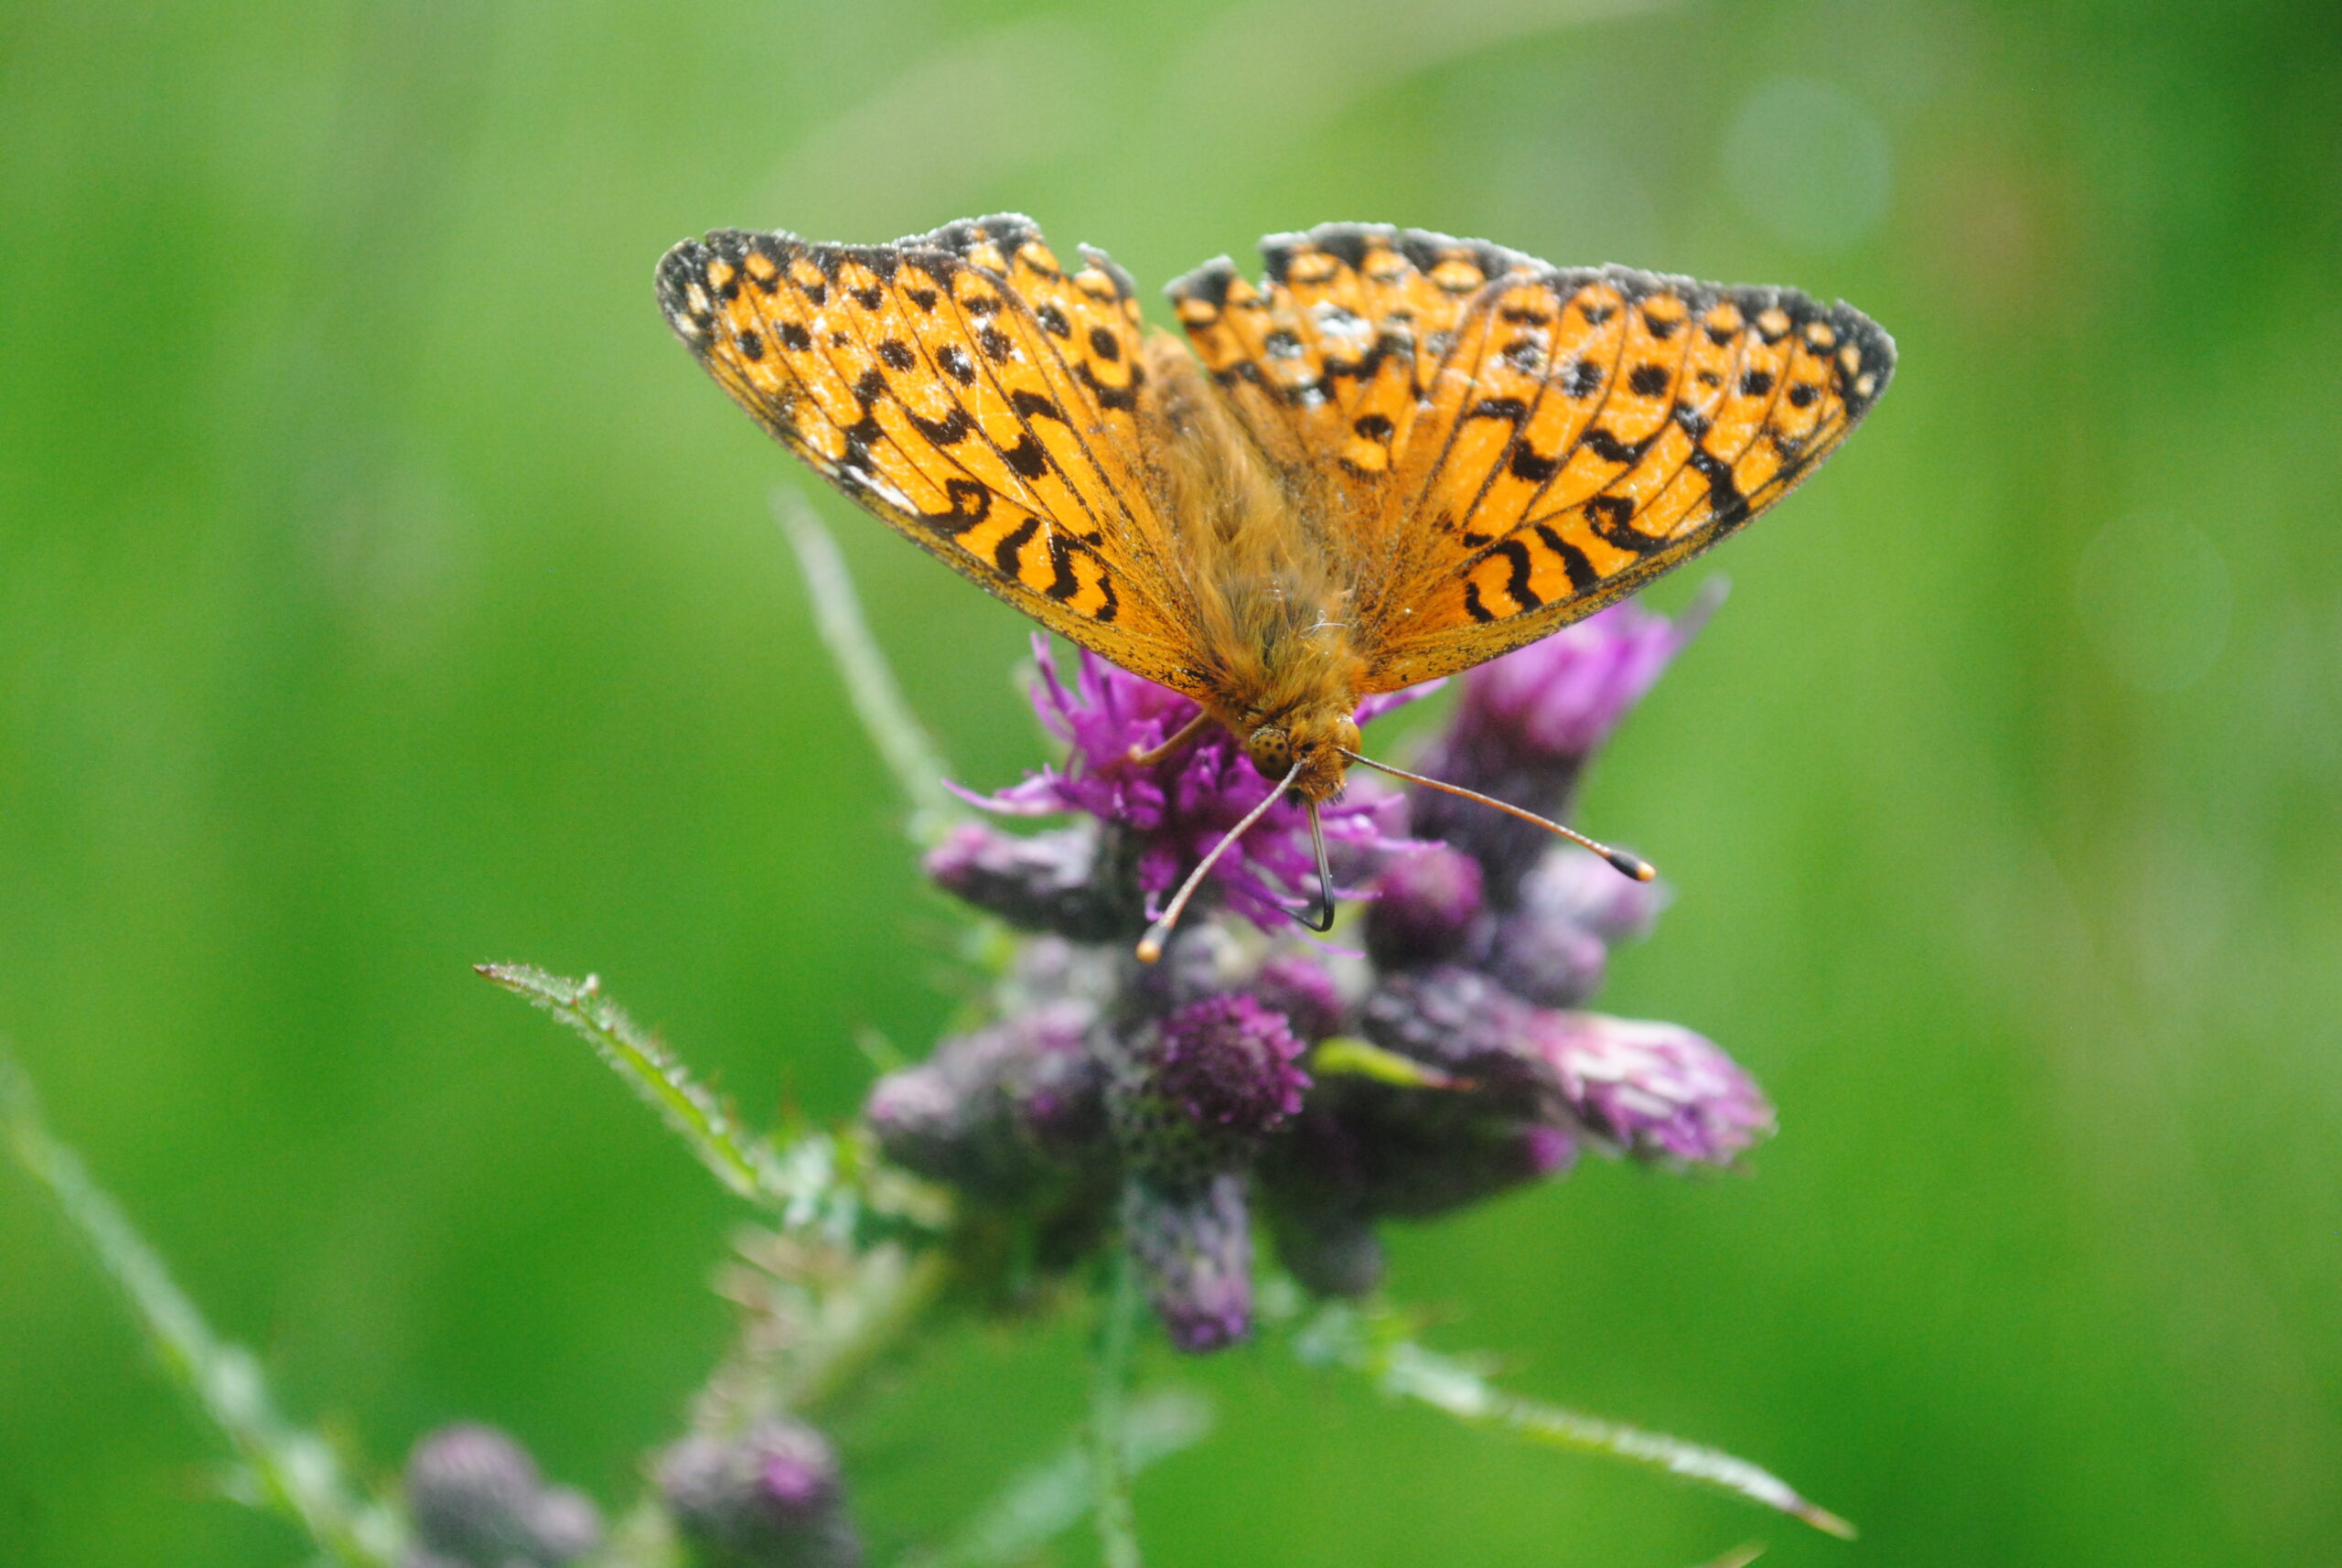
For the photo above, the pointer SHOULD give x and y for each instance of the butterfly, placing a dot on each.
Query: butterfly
(1396, 456)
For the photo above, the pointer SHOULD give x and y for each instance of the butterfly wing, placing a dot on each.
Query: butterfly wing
(1518, 445)
(1330, 361)
(970, 393)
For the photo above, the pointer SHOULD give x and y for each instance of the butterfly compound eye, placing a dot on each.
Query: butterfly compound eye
(1271, 750)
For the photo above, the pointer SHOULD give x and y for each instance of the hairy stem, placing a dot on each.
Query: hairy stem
(1109, 1446)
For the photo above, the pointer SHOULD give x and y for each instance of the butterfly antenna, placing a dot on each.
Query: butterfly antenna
(1150, 945)
(1631, 865)
(1323, 920)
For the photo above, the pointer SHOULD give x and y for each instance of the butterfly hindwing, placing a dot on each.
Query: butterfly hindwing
(966, 390)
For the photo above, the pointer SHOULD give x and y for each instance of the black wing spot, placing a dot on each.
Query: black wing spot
(981, 305)
(1516, 582)
(1613, 518)
(1583, 576)
(1029, 404)
(1528, 465)
(1756, 384)
(750, 344)
(1063, 585)
(1595, 314)
(1509, 409)
(1609, 449)
(1526, 314)
(1802, 394)
(955, 360)
(1374, 426)
(1729, 506)
(1123, 397)
(897, 355)
(948, 431)
(1583, 378)
(1053, 321)
(1472, 604)
(996, 344)
(922, 298)
(1105, 345)
(1649, 380)
(971, 502)
(795, 337)
(1026, 457)
(869, 384)
(1009, 554)
(1662, 326)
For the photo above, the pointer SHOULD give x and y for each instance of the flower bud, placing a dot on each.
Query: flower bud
(1657, 1090)
(1428, 903)
(1195, 1093)
(1040, 881)
(998, 1111)
(1300, 988)
(1193, 1244)
(771, 1498)
(478, 1499)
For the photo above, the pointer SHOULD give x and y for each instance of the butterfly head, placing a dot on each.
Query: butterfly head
(1315, 738)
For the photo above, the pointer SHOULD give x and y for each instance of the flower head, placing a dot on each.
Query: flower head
(1194, 1249)
(1170, 812)
(478, 1501)
(771, 1498)
(1657, 1090)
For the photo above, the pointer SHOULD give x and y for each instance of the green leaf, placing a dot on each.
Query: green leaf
(1376, 1341)
(698, 1117)
(281, 1468)
(1348, 1055)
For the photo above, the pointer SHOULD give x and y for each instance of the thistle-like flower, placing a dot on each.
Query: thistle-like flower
(1188, 1087)
(1158, 818)
(478, 1501)
(771, 1498)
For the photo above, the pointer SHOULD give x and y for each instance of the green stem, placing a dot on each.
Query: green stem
(1109, 1446)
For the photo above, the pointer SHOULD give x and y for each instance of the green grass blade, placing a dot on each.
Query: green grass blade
(282, 1469)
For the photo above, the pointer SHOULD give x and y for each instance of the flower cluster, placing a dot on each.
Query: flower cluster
(1255, 1078)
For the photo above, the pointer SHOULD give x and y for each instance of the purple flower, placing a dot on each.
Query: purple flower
(1037, 882)
(1229, 1062)
(1528, 724)
(1171, 812)
(1426, 905)
(478, 1501)
(1194, 1094)
(1654, 1090)
(1300, 988)
(1000, 1113)
(771, 1498)
(1194, 1249)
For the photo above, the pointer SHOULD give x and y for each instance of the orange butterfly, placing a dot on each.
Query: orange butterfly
(1399, 455)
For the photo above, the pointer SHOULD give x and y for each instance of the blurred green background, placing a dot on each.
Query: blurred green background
(383, 589)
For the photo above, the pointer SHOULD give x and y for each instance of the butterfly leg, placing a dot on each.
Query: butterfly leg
(1186, 733)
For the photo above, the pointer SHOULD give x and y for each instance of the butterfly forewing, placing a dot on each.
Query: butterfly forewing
(1327, 361)
(967, 391)
(1589, 430)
